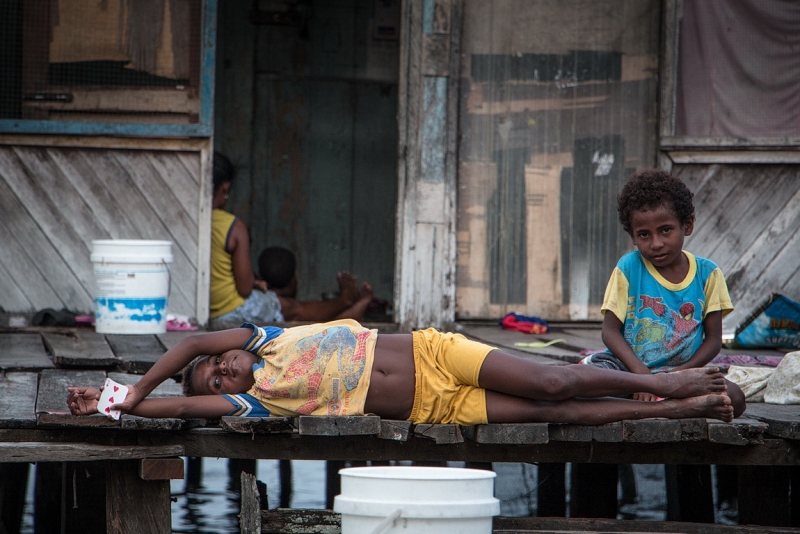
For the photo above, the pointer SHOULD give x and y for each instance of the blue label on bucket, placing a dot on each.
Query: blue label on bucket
(142, 310)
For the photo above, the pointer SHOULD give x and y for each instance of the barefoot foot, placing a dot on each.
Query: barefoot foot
(713, 406)
(690, 383)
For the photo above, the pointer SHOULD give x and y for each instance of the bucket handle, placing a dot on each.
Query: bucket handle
(387, 521)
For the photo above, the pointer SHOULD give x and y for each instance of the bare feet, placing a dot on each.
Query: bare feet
(348, 288)
(711, 406)
(356, 311)
(690, 383)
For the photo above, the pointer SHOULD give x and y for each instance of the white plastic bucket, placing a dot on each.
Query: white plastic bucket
(131, 285)
(423, 500)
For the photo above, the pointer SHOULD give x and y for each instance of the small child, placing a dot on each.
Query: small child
(343, 368)
(666, 305)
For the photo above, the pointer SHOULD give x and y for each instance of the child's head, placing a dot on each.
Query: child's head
(228, 373)
(650, 189)
(222, 170)
(277, 266)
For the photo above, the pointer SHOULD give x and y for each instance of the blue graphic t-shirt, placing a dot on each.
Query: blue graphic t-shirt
(663, 322)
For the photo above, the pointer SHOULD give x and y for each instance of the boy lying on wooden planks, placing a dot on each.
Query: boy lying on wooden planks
(343, 368)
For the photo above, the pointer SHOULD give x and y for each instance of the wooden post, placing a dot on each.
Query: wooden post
(552, 490)
(13, 486)
(593, 490)
(689, 493)
(68, 497)
(285, 468)
(764, 496)
(134, 505)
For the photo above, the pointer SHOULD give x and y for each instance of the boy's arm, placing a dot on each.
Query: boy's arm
(712, 342)
(178, 357)
(83, 401)
(613, 340)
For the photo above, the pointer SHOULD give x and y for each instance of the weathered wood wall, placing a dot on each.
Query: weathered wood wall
(558, 107)
(59, 194)
(748, 223)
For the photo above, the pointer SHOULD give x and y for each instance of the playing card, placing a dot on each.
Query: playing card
(113, 393)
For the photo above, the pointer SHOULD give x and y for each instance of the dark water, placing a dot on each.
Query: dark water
(212, 507)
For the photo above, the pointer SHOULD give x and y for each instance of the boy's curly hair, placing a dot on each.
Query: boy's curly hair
(186, 377)
(651, 188)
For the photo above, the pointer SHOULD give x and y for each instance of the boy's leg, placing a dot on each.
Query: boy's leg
(505, 373)
(502, 408)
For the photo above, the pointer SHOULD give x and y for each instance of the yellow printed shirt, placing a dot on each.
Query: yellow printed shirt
(317, 369)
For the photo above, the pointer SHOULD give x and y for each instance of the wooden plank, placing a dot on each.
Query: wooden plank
(338, 426)
(184, 184)
(651, 430)
(134, 505)
(79, 348)
(18, 391)
(440, 434)
(301, 521)
(81, 452)
(142, 100)
(65, 420)
(783, 420)
(133, 422)
(395, 430)
(53, 383)
(512, 434)
(171, 338)
(161, 469)
(741, 432)
(107, 208)
(608, 433)
(28, 254)
(257, 425)
(22, 352)
(137, 353)
(186, 144)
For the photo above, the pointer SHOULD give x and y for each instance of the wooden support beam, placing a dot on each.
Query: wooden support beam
(80, 452)
(161, 469)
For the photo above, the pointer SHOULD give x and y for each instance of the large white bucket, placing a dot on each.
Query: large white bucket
(423, 500)
(131, 285)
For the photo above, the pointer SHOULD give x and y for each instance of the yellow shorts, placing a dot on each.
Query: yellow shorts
(447, 368)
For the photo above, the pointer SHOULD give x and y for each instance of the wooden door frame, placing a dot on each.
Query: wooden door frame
(425, 257)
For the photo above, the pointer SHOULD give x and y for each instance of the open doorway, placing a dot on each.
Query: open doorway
(305, 107)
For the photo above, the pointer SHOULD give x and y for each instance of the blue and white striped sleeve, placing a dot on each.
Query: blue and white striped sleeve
(261, 336)
(246, 406)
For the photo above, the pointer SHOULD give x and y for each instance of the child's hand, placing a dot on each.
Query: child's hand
(134, 397)
(647, 397)
(82, 401)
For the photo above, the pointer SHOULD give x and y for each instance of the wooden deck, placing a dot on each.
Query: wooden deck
(35, 426)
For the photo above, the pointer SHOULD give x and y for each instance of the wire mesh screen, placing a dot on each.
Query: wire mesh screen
(101, 60)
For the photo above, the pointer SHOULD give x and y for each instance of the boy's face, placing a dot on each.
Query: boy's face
(227, 373)
(659, 235)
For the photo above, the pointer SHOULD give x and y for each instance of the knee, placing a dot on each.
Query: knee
(557, 384)
(737, 398)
